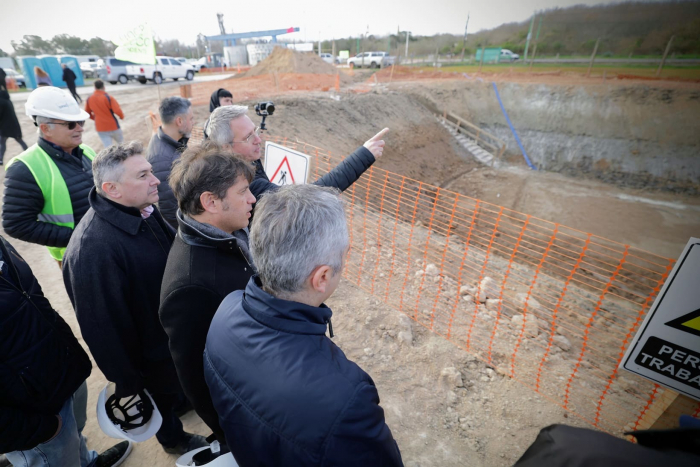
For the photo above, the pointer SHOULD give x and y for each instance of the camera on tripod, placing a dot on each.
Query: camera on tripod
(264, 109)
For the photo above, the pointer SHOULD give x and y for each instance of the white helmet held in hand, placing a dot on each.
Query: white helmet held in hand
(134, 418)
(52, 102)
(205, 459)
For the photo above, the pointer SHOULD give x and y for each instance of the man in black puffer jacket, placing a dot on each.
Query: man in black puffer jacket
(42, 374)
(47, 186)
(165, 148)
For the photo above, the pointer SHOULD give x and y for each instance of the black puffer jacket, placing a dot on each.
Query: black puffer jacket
(341, 177)
(201, 271)
(23, 200)
(9, 125)
(41, 362)
(162, 152)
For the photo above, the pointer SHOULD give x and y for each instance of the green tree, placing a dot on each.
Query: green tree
(33, 45)
(71, 45)
(3, 53)
(101, 47)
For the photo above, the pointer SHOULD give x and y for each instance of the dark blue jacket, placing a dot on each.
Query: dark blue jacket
(41, 362)
(285, 393)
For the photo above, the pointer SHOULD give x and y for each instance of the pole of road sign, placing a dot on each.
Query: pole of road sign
(529, 35)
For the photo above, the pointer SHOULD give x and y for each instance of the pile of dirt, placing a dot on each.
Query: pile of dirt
(283, 60)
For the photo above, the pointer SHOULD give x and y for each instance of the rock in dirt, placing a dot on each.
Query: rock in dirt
(487, 288)
(406, 333)
(492, 304)
(522, 300)
(532, 328)
(432, 270)
(450, 378)
(562, 342)
(467, 290)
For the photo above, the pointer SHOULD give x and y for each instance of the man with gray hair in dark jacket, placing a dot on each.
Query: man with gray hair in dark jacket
(286, 395)
(166, 146)
(231, 128)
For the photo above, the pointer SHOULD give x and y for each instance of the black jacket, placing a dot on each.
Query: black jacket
(201, 271)
(69, 77)
(9, 125)
(41, 362)
(162, 152)
(23, 200)
(341, 177)
(285, 393)
(113, 269)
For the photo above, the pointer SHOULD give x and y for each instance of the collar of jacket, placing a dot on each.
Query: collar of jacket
(181, 143)
(193, 236)
(283, 315)
(122, 217)
(57, 152)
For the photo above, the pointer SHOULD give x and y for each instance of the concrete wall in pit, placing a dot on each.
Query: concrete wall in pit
(636, 132)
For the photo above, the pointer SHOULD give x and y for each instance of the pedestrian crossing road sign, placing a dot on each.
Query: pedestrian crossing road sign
(666, 348)
(285, 166)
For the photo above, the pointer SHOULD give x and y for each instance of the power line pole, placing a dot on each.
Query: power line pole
(464, 41)
(529, 35)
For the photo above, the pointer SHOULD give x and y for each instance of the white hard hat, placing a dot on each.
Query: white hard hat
(186, 460)
(134, 418)
(52, 102)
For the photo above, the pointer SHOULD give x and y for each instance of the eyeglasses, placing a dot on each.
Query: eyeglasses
(255, 133)
(71, 125)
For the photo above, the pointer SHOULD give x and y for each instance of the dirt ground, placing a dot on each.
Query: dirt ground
(443, 405)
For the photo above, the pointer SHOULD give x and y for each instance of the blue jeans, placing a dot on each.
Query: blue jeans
(69, 448)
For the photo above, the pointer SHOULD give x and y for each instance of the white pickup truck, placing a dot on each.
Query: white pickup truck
(371, 59)
(166, 68)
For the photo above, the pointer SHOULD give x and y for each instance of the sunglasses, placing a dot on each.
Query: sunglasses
(71, 125)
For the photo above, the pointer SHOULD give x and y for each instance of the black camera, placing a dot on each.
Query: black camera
(265, 109)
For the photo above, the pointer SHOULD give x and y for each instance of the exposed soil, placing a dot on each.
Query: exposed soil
(283, 60)
(487, 419)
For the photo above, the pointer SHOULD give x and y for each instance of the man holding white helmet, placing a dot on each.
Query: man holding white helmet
(47, 186)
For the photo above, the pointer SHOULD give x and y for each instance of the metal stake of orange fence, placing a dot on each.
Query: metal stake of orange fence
(337, 82)
(238, 67)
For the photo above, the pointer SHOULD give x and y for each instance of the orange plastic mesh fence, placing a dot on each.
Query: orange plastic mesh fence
(550, 306)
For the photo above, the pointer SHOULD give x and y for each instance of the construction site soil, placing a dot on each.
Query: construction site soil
(444, 406)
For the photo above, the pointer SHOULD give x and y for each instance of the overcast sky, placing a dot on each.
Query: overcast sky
(183, 20)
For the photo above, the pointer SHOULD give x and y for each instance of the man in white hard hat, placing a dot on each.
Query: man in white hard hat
(47, 186)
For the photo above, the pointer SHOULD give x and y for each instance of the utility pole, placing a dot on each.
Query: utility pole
(663, 60)
(407, 34)
(537, 39)
(464, 41)
(529, 35)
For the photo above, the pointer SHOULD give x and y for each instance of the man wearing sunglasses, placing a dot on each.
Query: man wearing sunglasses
(47, 186)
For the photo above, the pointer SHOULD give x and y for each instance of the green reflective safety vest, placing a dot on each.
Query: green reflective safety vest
(57, 206)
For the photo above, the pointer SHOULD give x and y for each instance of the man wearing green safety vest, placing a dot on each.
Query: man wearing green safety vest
(47, 186)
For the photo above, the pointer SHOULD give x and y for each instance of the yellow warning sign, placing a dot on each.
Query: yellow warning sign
(688, 323)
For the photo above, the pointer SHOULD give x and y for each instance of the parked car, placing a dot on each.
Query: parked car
(198, 63)
(166, 68)
(18, 77)
(329, 58)
(371, 59)
(91, 69)
(115, 70)
(508, 56)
